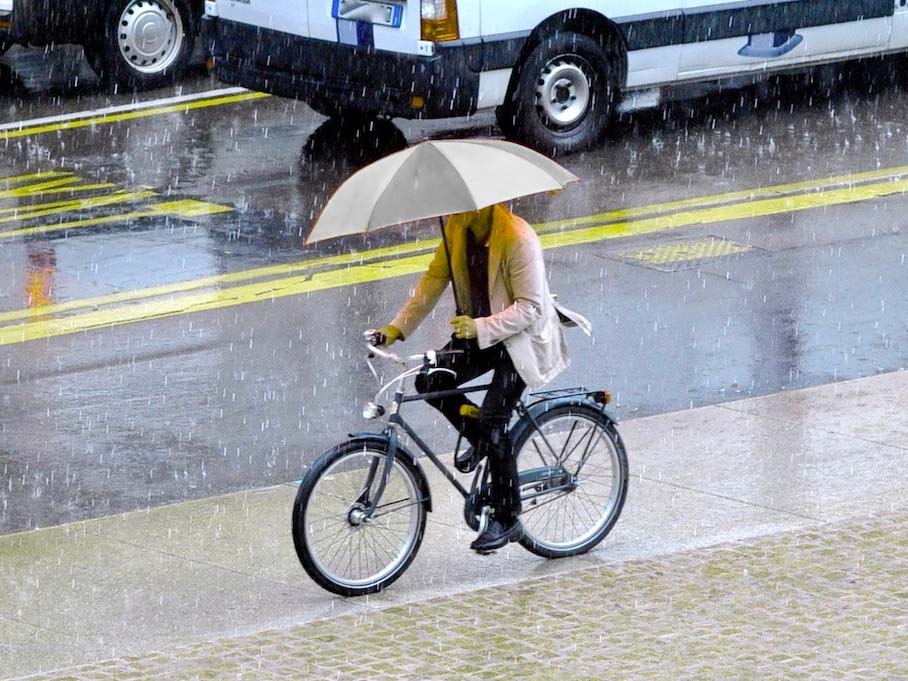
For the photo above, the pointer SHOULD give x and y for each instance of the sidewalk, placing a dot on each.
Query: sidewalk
(765, 538)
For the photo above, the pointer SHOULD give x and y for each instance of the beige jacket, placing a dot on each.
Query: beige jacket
(524, 314)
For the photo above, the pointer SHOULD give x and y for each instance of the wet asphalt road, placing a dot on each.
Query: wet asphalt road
(233, 397)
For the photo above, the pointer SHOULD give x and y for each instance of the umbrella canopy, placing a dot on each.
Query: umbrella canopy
(436, 178)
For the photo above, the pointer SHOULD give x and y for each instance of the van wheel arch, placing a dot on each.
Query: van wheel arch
(606, 38)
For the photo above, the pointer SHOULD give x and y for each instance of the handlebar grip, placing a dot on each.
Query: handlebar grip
(375, 337)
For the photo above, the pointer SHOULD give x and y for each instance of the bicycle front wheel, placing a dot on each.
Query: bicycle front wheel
(573, 471)
(343, 548)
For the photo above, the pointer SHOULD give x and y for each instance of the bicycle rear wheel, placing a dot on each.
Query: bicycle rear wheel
(574, 476)
(343, 549)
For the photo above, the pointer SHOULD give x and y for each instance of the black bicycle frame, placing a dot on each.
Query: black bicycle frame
(395, 419)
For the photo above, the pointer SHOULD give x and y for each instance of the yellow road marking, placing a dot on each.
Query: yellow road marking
(108, 119)
(349, 259)
(72, 190)
(26, 208)
(239, 295)
(372, 272)
(189, 208)
(741, 211)
(43, 175)
(38, 188)
(181, 209)
(730, 197)
(118, 197)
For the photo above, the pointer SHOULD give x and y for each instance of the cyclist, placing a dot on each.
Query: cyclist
(507, 323)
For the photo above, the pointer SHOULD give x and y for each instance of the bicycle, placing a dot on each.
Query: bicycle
(360, 511)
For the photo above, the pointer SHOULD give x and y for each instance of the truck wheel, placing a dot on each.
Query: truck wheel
(563, 95)
(145, 43)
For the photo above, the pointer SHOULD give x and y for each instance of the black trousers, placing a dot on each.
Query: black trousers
(489, 434)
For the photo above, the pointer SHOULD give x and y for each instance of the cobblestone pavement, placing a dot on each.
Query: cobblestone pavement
(830, 602)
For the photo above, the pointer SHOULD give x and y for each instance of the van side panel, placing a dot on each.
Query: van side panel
(288, 16)
(500, 17)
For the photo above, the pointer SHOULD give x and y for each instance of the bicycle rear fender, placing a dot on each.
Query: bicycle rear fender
(381, 439)
(581, 402)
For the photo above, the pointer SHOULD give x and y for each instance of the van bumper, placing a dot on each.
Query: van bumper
(349, 77)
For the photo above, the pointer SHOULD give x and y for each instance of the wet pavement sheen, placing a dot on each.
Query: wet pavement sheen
(119, 418)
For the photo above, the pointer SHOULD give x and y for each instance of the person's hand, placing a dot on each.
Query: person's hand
(464, 327)
(389, 334)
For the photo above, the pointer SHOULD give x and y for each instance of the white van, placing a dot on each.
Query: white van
(131, 44)
(553, 69)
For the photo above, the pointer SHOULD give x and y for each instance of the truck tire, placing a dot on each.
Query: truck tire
(563, 95)
(144, 43)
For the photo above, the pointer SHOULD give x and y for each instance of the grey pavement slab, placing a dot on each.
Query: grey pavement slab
(818, 603)
(224, 567)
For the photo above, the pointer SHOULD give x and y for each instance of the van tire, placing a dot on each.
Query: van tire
(563, 95)
(118, 58)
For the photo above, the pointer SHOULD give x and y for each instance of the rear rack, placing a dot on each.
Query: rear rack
(561, 392)
(602, 397)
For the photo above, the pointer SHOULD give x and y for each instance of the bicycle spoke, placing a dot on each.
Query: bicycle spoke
(581, 443)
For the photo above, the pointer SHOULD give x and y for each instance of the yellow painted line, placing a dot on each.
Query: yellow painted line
(378, 271)
(847, 180)
(107, 119)
(43, 175)
(739, 211)
(685, 251)
(38, 188)
(181, 209)
(216, 281)
(189, 208)
(73, 190)
(27, 208)
(115, 198)
(239, 295)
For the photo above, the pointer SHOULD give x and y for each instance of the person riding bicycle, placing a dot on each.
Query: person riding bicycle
(508, 323)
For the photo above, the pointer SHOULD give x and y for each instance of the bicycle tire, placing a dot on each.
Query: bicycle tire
(545, 517)
(346, 559)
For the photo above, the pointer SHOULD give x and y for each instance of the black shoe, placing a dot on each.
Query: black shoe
(467, 460)
(497, 535)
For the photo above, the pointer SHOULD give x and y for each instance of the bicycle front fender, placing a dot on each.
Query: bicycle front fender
(383, 440)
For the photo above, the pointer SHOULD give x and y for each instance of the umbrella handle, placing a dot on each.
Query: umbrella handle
(444, 241)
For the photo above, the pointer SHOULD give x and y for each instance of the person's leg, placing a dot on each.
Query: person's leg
(467, 365)
(501, 398)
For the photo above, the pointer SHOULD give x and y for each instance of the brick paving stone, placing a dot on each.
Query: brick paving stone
(828, 602)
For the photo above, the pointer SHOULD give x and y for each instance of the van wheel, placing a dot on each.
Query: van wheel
(145, 43)
(563, 96)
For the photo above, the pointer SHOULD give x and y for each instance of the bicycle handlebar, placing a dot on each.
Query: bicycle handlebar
(374, 339)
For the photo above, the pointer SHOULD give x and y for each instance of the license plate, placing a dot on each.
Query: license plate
(380, 13)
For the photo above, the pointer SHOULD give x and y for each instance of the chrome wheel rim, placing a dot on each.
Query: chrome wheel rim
(567, 520)
(564, 91)
(149, 35)
(350, 550)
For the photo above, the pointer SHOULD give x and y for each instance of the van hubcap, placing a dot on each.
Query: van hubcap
(150, 35)
(563, 91)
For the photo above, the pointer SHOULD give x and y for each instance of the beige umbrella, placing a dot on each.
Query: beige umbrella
(433, 179)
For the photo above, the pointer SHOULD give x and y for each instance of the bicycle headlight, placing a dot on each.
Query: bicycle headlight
(373, 411)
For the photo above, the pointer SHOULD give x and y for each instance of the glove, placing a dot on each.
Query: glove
(390, 334)
(464, 327)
